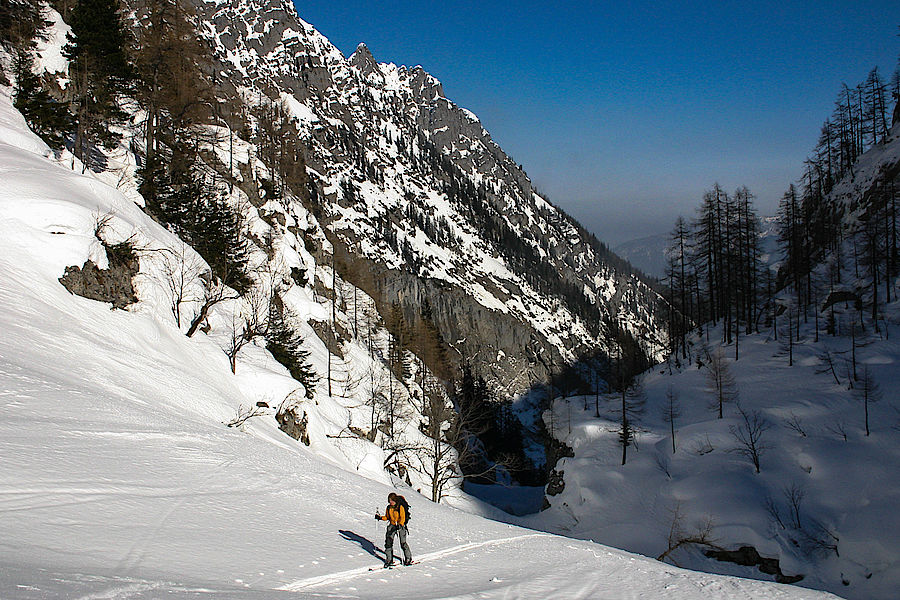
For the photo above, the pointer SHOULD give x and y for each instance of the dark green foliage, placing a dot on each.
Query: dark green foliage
(180, 196)
(21, 21)
(48, 118)
(286, 346)
(100, 70)
(216, 233)
(99, 40)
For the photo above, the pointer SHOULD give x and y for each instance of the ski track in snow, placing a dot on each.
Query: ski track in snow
(351, 573)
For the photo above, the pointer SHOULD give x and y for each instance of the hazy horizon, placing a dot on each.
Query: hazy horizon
(625, 115)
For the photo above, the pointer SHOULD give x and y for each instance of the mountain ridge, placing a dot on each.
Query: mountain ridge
(389, 133)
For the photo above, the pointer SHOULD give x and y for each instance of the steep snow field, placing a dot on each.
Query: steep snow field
(119, 478)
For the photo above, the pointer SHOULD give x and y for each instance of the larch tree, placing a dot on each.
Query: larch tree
(721, 381)
(671, 412)
(868, 392)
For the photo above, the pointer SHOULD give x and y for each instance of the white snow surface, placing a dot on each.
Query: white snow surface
(119, 478)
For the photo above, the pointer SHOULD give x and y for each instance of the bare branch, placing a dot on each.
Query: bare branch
(245, 413)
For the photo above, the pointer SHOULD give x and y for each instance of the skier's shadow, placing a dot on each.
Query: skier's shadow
(364, 543)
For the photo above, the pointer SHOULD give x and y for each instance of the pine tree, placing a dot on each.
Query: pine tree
(216, 232)
(286, 346)
(100, 71)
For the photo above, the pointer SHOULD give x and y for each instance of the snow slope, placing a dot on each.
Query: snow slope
(815, 449)
(119, 479)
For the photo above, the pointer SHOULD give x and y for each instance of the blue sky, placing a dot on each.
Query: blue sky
(624, 113)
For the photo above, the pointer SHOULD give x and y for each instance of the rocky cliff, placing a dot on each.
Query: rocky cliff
(424, 207)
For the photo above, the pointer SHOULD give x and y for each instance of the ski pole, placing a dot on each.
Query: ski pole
(377, 531)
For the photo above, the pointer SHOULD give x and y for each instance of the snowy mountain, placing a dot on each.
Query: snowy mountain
(411, 189)
(148, 463)
(120, 478)
(647, 253)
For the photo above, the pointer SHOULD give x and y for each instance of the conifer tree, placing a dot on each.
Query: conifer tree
(283, 342)
(100, 72)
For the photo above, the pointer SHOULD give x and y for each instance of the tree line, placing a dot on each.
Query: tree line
(715, 273)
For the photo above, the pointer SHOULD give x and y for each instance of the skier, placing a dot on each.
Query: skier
(396, 516)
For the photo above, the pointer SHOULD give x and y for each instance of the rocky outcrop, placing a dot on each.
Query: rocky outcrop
(749, 557)
(294, 421)
(113, 284)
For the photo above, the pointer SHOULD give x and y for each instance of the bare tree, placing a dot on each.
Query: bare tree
(774, 512)
(671, 412)
(808, 534)
(828, 364)
(749, 435)
(794, 495)
(679, 538)
(215, 292)
(721, 381)
(249, 322)
(838, 429)
(443, 426)
(796, 424)
(375, 387)
(181, 272)
(244, 413)
(868, 391)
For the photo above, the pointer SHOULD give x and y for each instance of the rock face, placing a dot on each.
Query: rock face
(749, 557)
(294, 421)
(106, 285)
(412, 190)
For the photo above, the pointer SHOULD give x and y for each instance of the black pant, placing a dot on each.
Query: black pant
(401, 531)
